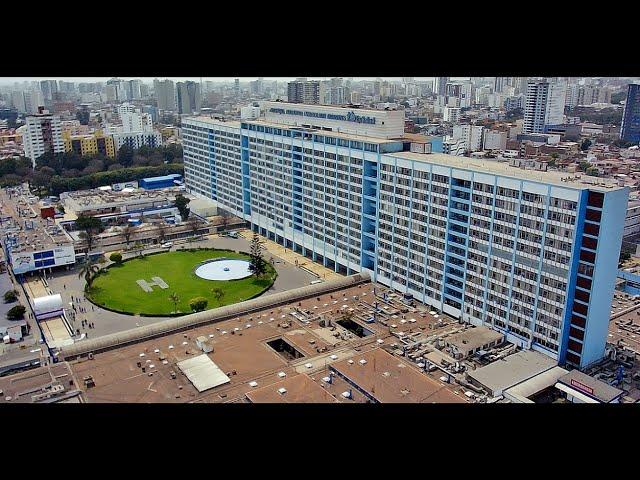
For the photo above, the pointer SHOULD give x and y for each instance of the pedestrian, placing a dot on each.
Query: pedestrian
(64, 286)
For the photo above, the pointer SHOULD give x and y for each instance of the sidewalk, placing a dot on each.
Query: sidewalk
(291, 257)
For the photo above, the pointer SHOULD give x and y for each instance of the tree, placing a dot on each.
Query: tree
(16, 313)
(88, 270)
(225, 216)
(181, 203)
(218, 293)
(162, 231)
(175, 299)
(584, 166)
(198, 304)
(10, 296)
(586, 143)
(90, 227)
(256, 263)
(127, 232)
(125, 155)
(593, 172)
(194, 224)
(116, 258)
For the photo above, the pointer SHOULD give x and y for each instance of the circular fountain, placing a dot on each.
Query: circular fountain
(223, 269)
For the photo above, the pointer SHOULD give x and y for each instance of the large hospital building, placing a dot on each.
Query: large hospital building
(531, 254)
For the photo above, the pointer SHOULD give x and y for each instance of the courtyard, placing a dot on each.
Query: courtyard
(144, 285)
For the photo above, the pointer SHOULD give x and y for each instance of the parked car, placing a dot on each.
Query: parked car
(167, 245)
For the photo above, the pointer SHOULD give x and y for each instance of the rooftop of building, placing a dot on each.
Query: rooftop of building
(390, 379)
(591, 386)
(581, 182)
(101, 197)
(512, 370)
(577, 181)
(298, 389)
(21, 222)
(473, 338)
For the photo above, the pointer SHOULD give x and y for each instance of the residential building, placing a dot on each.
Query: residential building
(630, 129)
(451, 114)
(133, 120)
(249, 112)
(92, 144)
(495, 140)
(471, 135)
(42, 134)
(544, 105)
(48, 88)
(188, 97)
(440, 87)
(137, 139)
(165, 92)
(531, 254)
(304, 91)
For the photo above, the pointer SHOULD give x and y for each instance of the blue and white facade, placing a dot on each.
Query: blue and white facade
(526, 253)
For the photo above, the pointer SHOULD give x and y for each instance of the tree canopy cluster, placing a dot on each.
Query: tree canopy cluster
(56, 173)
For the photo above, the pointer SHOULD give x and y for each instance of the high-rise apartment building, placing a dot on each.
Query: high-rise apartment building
(188, 97)
(544, 105)
(440, 87)
(304, 91)
(165, 92)
(117, 92)
(132, 89)
(133, 120)
(43, 134)
(48, 88)
(532, 255)
(630, 129)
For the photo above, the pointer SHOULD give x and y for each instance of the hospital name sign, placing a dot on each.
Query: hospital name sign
(349, 117)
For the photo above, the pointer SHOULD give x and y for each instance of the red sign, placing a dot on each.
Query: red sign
(581, 386)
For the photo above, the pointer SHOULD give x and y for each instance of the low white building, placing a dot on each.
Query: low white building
(451, 114)
(470, 134)
(250, 112)
(495, 140)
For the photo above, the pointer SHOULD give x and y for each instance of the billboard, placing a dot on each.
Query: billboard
(28, 261)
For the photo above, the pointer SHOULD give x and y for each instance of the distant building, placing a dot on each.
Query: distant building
(471, 135)
(165, 92)
(495, 140)
(440, 87)
(630, 129)
(249, 112)
(133, 120)
(42, 134)
(304, 91)
(93, 144)
(188, 97)
(544, 105)
(137, 139)
(451, 114)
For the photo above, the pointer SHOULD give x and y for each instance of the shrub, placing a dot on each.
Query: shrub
(116, 257)
(10, 296)
(198, 304)
(16, 313)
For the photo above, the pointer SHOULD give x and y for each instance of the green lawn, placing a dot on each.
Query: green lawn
(116, 287)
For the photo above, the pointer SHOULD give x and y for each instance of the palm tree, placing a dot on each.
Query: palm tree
(175, 299)
(88, 270)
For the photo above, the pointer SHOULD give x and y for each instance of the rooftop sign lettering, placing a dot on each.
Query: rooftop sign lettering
(349, 117)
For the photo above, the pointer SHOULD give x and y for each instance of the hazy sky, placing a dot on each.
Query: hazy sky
(11, 80)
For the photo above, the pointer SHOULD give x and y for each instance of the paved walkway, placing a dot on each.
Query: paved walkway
(292, 257)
